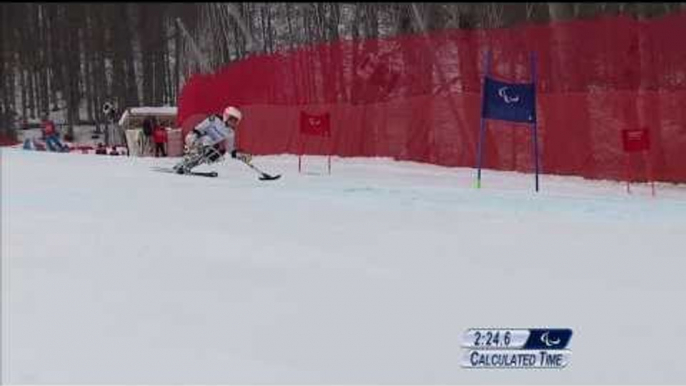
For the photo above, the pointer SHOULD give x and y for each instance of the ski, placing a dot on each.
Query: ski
(201, 174)
(263, 176)
(267, 177)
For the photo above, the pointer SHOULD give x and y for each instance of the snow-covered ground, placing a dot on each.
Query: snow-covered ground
(113, 273)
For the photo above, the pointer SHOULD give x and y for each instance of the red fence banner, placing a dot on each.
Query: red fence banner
(418, 97)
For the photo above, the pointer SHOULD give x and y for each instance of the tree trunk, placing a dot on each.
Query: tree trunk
(71, 63)
(132, 98)
(144, 34)
(177, 62)
(291, 37)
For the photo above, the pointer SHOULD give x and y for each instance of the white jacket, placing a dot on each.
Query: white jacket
(214, 131)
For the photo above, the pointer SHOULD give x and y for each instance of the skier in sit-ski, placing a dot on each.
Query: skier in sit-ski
(210, 140)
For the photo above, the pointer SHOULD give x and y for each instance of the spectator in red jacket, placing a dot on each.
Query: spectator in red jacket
(52, 137)
(48, 128)
(159, 136)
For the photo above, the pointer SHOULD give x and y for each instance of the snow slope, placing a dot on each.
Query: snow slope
(113, 273)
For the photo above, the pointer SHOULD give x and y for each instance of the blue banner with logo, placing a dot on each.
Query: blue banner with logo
(513, 102)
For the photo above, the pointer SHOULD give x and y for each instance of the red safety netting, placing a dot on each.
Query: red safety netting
(419, 97)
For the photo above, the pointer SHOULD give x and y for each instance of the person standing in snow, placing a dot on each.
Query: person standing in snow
(211, 139)
(146, 139)
(159, 136)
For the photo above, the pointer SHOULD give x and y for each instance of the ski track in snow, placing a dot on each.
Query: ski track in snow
(114, 273)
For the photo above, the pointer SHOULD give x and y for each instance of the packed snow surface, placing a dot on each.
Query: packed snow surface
(115, 273)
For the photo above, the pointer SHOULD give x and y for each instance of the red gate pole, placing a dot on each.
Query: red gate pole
(628, 173)
(650, 174)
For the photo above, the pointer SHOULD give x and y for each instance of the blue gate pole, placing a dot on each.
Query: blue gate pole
(535, 130)
(483, 121)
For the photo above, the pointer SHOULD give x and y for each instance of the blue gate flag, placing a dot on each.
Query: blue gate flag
(513, 102)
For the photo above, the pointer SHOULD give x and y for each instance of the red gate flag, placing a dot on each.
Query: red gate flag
(319, 125)
(315, 125)
(635, 140)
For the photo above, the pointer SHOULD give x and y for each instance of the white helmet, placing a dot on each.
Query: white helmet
(232, 112)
